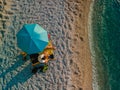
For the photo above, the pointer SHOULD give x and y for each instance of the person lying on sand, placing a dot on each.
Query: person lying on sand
(39, 60)
(48, 52)
(41, 63)
(42, 67)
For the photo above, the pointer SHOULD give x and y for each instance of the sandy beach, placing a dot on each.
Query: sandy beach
(80, 59)
(67, 22)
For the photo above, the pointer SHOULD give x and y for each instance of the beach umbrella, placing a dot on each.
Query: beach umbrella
(32, 38)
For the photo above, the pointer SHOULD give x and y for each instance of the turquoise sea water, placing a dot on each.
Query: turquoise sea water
(106, 41)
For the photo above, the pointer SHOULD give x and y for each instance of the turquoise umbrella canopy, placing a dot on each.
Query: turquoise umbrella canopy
(32, 38)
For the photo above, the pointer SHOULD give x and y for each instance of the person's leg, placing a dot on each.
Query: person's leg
(34, 70)
(43, 67)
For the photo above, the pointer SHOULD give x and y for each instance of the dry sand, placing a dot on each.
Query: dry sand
(67, 22)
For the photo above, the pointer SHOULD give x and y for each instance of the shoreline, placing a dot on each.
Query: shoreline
(91, 44)
(97, 68)
(88, 63)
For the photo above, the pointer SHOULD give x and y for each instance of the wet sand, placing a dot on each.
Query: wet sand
(67, 22)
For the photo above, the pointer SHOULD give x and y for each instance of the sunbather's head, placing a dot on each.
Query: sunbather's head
(42, 57)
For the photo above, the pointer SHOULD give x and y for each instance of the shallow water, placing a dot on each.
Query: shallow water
(106, 37)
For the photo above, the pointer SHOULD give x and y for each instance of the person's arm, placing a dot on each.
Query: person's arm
(46, 60)
(50, 47)
(24, 55)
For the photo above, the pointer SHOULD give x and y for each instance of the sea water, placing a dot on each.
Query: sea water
(106, 43)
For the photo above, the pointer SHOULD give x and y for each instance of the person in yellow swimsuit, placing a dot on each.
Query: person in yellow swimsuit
(42, 58)
(48, 53)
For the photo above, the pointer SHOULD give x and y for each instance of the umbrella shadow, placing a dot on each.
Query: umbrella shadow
(21, 77)
(18, 63)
